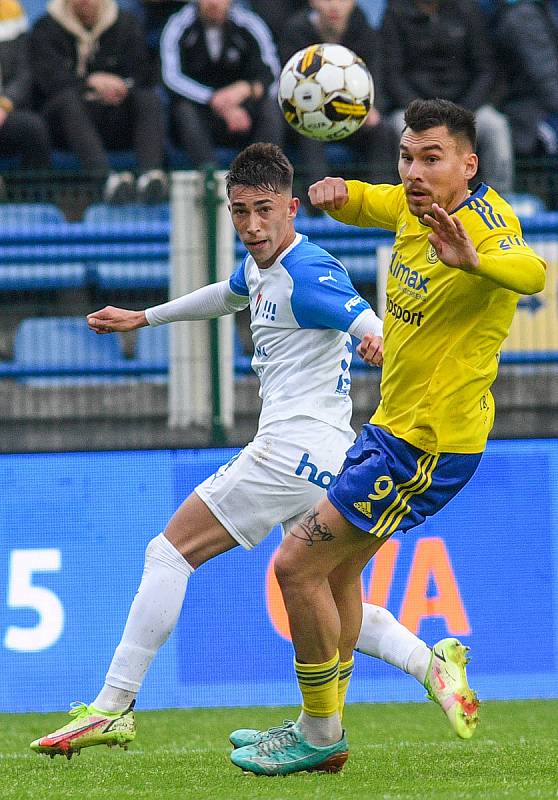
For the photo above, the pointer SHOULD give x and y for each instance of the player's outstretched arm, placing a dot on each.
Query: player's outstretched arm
(519, 269)
(329, 194)
(113, 320)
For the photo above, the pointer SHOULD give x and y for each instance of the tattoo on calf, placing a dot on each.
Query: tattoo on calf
(310, 531)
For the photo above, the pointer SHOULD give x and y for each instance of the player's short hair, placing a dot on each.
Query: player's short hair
(420, 115)
(262, 165)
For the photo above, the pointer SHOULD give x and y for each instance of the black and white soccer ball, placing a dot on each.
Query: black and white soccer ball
(325, 92)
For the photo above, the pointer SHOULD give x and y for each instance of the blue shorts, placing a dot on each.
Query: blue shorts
(387, 485)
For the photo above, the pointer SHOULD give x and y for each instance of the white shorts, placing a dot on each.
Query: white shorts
(276, 478)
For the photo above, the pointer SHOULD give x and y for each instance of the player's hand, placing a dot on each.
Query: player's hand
(450, 240)
(371, 349)
(329, 194)
(113, 320)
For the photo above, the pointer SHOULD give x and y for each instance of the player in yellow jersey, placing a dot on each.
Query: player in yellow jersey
(458, 267)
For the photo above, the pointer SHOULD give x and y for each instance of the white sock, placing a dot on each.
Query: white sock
(382, 636)
(153, 615)
(320, 731)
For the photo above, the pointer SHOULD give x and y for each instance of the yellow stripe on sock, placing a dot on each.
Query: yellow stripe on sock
(319, 687)
(345, 672)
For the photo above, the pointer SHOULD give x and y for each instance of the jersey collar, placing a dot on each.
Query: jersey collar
(476, 194)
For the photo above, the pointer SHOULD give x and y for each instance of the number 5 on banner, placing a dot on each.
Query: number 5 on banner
(23, 594)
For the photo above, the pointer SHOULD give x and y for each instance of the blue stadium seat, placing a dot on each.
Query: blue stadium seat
(526, 205)
(362, 269)
(37, 277)
(64, 347)
(119, 160)
(242, 361)
(105, 214)
(131, 274)
(92, 251)
(152, 349)
(29, 214)
(34, 9)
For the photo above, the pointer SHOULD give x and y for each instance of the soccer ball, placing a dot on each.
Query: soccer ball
(325, 92)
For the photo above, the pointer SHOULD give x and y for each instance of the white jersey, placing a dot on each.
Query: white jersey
(302, 308)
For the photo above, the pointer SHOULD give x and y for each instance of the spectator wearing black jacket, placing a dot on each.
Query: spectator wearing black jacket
(22, 132)
(94, 80)
(218, 63)
(374, 145)
(276, 14)
(440, 48)
(526, 36)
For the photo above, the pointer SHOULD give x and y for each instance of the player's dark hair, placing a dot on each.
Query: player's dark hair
(262, 165)
(420, 115)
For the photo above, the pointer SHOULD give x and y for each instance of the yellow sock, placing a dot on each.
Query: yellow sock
(318, 684)
(345, 672)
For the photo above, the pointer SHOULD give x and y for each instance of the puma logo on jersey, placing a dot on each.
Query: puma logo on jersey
(328, 277)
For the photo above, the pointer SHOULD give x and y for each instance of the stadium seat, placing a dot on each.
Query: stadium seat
(42, 277)
(105, 214)
(120, 160)
(131, 274)
(62, 347)
(526, 205)
(34, 9)
(242, 361)
(152, 349)
(24, 215)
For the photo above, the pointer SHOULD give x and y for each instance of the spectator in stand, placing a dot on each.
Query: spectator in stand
(155, 14)
(526, 36)
(22, 132)
(440, 48)
(374, 145)
(219, 63)
(94, 80)
(276, 14)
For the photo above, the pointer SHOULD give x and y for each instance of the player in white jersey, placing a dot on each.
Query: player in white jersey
(303, 310)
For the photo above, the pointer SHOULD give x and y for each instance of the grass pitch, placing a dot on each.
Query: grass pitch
(398, 752)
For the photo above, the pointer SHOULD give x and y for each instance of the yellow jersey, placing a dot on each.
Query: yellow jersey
(444, 327)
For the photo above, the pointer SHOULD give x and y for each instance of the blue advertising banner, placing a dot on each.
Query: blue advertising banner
(75, 527)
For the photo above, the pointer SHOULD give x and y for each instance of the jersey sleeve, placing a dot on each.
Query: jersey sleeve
(504, 255)
(371, 205)
(237, 281)
(323, 295)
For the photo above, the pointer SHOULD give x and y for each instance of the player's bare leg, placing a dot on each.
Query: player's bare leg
(440, 669)
(192, 536)
(311, 552)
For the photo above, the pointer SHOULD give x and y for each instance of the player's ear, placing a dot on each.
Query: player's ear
(471, 165)
(294, 205)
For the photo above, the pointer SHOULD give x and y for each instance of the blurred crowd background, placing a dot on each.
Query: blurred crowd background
(100, 102)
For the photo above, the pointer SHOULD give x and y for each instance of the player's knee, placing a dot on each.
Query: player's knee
(288, 569)
(162, 550)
